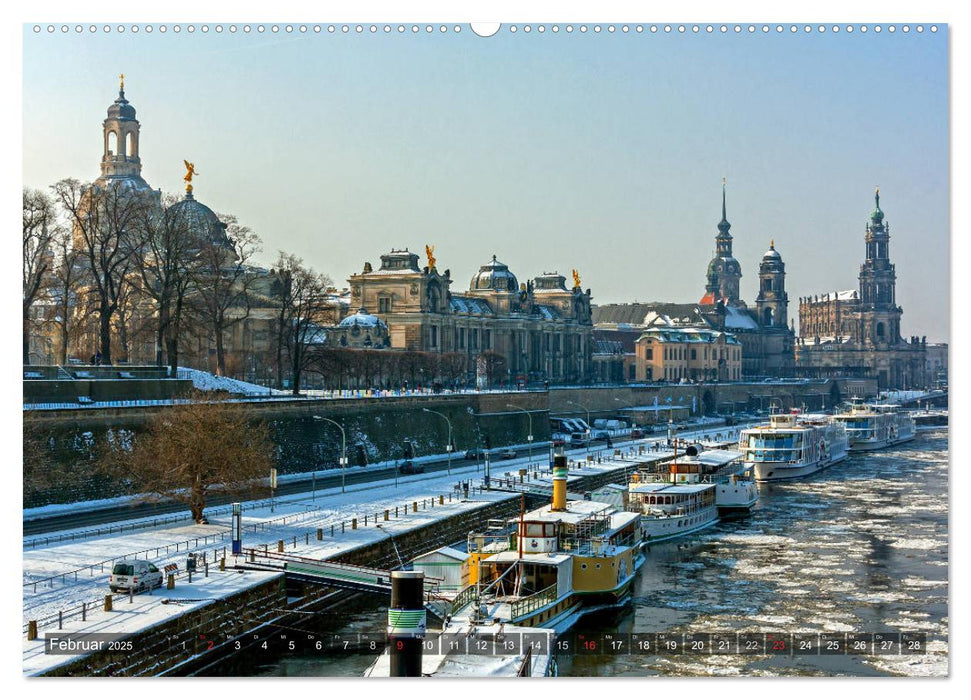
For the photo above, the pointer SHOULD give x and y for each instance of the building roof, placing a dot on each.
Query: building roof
(494, 275)
(448, 552)
(688, 335)
(201, 222)
(470, 305)
(363, 319)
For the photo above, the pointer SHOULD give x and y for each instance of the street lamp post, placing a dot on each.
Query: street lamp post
(448, 447)
(529, 438)
(343, 461)
(587, 409)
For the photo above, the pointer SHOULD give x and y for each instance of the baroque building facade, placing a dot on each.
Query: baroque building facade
(763, 332)
(857, 332)
(540, 328)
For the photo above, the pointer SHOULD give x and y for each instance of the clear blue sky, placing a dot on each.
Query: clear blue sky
(600, 152)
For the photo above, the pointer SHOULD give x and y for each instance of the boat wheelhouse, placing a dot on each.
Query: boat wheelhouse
(793, 445)
(671, 510)
(874, 426)
(550, 565)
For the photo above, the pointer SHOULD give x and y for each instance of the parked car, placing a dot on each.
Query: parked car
(578, 440)
(475, 453)
(507, 454)
(636, 434)
(134, 575)
(409, 467)
(558, 442)
(600, 435)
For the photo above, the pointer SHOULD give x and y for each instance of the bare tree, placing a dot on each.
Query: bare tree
(303, 303)
(68, 307)
(226, 283)
(167, 261)
(39, 228)
(453, 368)
(189, 451)
(104, 220)
(495, 366)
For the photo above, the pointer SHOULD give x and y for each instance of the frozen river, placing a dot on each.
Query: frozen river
(861, 547)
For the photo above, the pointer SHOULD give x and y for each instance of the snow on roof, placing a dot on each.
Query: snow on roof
(449, 552)
(469, 305)
(738, 318)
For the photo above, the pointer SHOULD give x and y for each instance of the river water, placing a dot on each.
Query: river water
(859, 548)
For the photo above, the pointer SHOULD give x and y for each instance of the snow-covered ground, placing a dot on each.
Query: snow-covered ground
(304, 513)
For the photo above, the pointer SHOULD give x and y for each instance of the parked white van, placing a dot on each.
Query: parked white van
(135, 575)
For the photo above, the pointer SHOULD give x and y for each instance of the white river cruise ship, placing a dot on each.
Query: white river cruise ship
(793, 445)
(874, 426)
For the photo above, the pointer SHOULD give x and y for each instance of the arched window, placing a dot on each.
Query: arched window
(880, 329)
(767, 316)
(132, 145)
(112, 143)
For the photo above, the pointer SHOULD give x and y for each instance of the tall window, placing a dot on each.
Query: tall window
(434, 330)
(384, 305)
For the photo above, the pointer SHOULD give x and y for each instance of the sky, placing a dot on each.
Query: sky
(600, 152)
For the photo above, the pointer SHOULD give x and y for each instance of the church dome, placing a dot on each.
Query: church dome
(121, 109)
(772, 253)
(494, 275)
(362, 319)
(201, 221)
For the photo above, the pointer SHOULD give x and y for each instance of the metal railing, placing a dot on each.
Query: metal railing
(533, 602)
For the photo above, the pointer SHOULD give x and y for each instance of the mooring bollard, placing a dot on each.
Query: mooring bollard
(206, 565)
(294, 541)
(279, 545)
(320, 534)
(131, 593)
(354, 523)
(222, 564)
(332, 530)
(32, 630)
(170, 584)
(414, 505)
(387, 515)
(406, 623)
(365, 520)
(395, 515)
(441, 500)
(306, 538)
(108, 600)
(84, 612)
(60, 620)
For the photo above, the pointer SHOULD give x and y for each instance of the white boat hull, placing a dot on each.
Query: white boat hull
(873, 444)
(777, 471)
(659, 529)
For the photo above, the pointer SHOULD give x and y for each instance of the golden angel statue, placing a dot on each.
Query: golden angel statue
(576, 279)
(430, 254)
(190, 171)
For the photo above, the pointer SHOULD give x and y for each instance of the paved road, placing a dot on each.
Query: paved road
(328, 479)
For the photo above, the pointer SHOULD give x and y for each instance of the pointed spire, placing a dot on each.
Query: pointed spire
(723, 225)
(724, 217)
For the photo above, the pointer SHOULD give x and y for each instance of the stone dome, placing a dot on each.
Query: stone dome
(362, 319)
(201, 221)
(496, 276)
(121, 109)
(772, 253)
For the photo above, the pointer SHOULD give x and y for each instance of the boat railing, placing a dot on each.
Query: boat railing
(533, 602)
(464, 597)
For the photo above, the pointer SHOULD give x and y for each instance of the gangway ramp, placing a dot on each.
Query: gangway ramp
(326, 573)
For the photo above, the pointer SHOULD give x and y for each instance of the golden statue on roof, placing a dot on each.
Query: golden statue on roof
(430, 254)
(190, 172)
(576, 279)
(122, 79)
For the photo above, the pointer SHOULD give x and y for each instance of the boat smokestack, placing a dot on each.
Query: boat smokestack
(559, 482)
(406, 622)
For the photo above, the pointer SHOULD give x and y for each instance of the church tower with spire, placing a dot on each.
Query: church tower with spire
(880, 315)
(120, 162)
(724, 271)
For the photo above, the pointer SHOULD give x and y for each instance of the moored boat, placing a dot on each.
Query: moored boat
(793, 445)
(875, 426)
